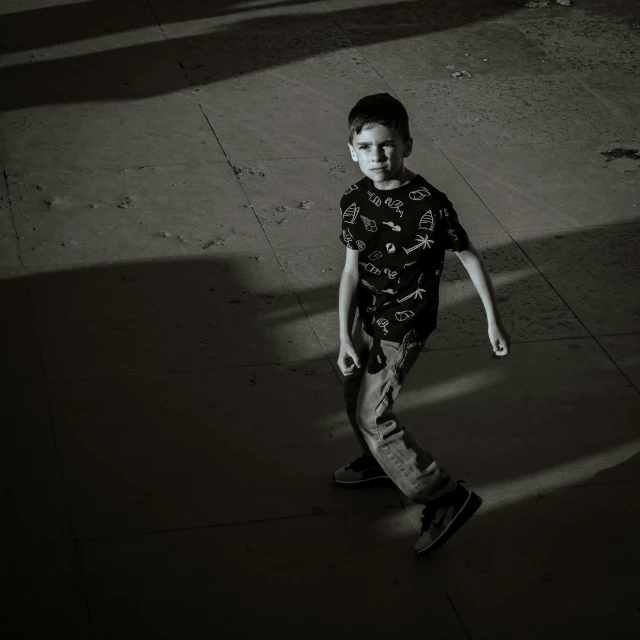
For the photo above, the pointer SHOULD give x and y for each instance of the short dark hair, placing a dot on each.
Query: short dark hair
(379, 108)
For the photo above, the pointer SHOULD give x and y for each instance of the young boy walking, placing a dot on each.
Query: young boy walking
(396, 227)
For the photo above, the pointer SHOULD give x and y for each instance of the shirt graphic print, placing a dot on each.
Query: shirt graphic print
(401, 235)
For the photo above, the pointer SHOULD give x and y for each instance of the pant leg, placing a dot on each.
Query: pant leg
(411, 467)
(351, 384)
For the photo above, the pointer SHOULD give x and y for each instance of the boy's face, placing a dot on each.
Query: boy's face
(380, 153)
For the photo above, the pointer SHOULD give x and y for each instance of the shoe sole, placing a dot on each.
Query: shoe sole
(470, 506)
(357, 482)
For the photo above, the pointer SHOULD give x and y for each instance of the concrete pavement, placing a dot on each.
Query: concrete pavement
(169, 265)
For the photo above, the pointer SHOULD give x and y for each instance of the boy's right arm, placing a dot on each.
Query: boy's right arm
(348, 360)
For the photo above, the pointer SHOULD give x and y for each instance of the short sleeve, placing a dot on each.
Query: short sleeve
(351, 234)
(453, 235)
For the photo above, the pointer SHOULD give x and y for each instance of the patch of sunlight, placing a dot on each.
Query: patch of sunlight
(455, 388)
(419, 397)
(503, 494)
(455, 292)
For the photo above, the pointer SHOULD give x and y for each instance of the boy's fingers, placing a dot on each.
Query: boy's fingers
(354, 356)
(344, 367)
(347, 371)
(500, 349)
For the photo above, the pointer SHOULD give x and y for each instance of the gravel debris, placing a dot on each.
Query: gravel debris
(129, 202)
(616, 154)
(240, 171)
(218, 242)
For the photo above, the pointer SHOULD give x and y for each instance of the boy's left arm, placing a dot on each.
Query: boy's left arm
(475, 266)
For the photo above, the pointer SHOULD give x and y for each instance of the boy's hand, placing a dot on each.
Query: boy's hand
(348, 360)
(499, 339)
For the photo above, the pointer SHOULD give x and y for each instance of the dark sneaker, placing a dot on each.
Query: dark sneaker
(364, 469)
(443, 517)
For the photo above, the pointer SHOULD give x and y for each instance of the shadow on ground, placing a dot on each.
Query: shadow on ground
(234, 49)
(192, 393)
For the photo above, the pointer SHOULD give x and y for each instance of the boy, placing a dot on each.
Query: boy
(396, 227)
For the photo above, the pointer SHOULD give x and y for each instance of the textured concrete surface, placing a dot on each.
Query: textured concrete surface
(169, 264)
(84, 217)
(276, 585)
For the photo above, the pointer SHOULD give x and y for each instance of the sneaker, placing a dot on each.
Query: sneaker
(443, 517)
(363, 469)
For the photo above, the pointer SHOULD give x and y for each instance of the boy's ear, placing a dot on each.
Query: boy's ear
(354, 155)
(408, 147)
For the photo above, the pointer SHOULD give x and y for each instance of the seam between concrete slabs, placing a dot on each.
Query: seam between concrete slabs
(238, 523)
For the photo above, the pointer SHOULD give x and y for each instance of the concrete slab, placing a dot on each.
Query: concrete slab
(297, 200)
(72, 217)
(438, 169)
(127, 107)
(487, 50)
(509, 111)
(314, 273)
(595, 271)
(553, 186)
(267, 116)
(548, 568)
(551, 415)
(9, 255)
(177, 315)
(239, 444)
(222, 581)
(596, 44)
(42, 594)
(625, 351)
(619, 92)
(257, 86)
(21, 361)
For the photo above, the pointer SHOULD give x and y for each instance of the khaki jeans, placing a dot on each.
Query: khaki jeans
(369, 394)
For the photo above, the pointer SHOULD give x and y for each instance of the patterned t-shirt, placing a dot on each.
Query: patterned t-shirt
(401, 235)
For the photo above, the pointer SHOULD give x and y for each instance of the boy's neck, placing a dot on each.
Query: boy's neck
(402, 178)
